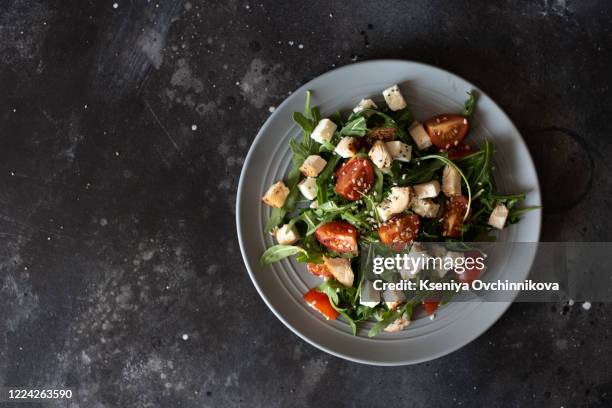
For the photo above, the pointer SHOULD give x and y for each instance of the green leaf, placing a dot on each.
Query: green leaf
(470, 104)
(331, 288)
(337, 118)
(422, 172)
(315, 113)
(276, 217)
(324, 177)
(378, 185)
(357, 127)
(404, 118)
(388, 318)
(277, 252)
(303, 122)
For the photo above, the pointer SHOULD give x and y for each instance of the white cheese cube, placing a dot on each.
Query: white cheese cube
(451, 181)
(425, 207)
(313, 165)
(393, 298)
(276, 195)
(380, 156)
(415, 263)
(394, 98)
(308, 188)
(341, 269)
(286, 235)
(365, 104)
(324, 131)
(369, 296)
(347, 147)
(399, 151)
(396, 202)
(314, 204)
(427, 190)
(419, 135)
(498, 217)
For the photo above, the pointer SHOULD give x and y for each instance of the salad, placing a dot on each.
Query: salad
(381, 177)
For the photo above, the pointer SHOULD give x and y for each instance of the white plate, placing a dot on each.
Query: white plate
(428, 91)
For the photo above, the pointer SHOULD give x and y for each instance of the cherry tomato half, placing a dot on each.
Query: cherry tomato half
(399, 231)
(454, 212)
(447, 130)
(339, 236)
(318, 269)
(459, 151)
(354, 178)
(430, 306)
(474, 271)
(320, 302)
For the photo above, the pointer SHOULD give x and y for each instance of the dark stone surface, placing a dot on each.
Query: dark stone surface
(117, 232)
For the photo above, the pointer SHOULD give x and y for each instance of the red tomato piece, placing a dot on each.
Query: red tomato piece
(354, 178)
(459, 151)
(318, 269)
(447, 130)
(474, 271)
(454, 212)
(339, 236)
(430, 306)
(320, 302)
(399, 231)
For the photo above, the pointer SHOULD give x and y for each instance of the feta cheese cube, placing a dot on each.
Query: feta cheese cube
(369, 296)
(380, 156)
(419, 135)
(396, 202)
(425, 207)
(415, 262)
(399, 151)
(498, 217)
(347, 147)
(308, 188)
(365, 104)
(286, 235)
(276, 195)
(314, 204)
(427, 190)
(341, 269)
(393, 298)
(313, 165)
(394, 98)
(324, 131)
(451, 181)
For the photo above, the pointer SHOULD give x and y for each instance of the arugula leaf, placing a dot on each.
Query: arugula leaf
(470, 104)
(420, 173)
(324, 177)
(378, 185)
(357, 127)
(336, 117)
(303, 122)
(276, 217)
(331, 288)
(388, 317)
(404, 118)
(277, 252)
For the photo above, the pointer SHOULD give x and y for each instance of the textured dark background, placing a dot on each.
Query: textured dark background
(117, 231)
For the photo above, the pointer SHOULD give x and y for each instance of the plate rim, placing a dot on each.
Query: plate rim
(240, 188)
